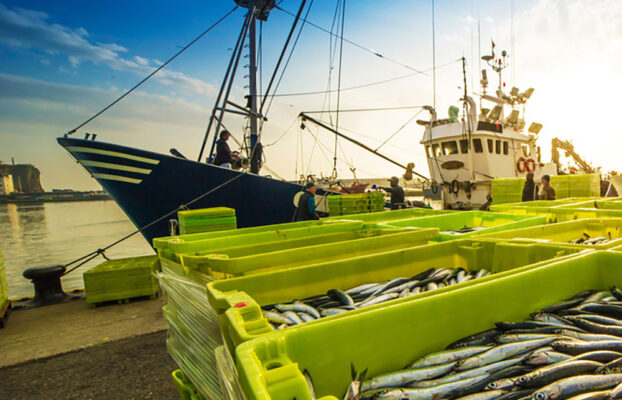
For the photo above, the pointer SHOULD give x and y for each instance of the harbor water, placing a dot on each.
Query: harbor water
(42, 234)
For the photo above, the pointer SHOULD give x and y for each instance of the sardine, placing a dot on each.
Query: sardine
(522, 337)
(601, 356)
(575, 347)
(600, 395)
(478, 339)
(551, 373)
(403, 377)
(546, 357)
(326, 312)
(293, 317)
(378, 299)
(340, 296)
(611, 366)
(277, 318)
(502, 352)
(598, 328)
(487, 395)
(298, 307)
(588, 337)
(447, 356)
(575, 385)
(431, 393)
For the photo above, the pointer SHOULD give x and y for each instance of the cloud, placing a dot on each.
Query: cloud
(30, 29)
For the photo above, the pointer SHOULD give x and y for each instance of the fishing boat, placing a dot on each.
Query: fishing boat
(467, 150)
(150, 186)
(464, 151)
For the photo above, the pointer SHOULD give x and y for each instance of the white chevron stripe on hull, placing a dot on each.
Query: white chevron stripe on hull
(119, 178)
(81, 149)
(88, 163)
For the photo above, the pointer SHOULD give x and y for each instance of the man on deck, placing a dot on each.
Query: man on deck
(224, 156)
(529, 190)
(397, 193)
(546, 192)
(306, 204)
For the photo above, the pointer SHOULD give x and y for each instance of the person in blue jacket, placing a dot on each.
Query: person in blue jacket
(306, 204)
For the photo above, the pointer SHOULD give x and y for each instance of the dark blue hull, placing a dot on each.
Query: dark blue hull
(148, 185)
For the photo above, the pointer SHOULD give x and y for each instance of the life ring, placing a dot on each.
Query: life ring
(520, 165)
(434, 187)
(455, 186)
(530, 165)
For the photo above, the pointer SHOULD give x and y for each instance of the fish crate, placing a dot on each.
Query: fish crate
(193, 329)
(559, 214)
(250, 259)
(206, 220)
(215, 243)
(238, 301)
(385, 340)
(538, 203)
(164, 243)
(574, 233)
(385, 216)
(469, 223)
(186, 389)
(121, 279)
(609, 204)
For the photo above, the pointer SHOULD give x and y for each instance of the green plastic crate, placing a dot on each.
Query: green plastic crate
(564, 232)
(121, 279)
(248, 260)
(614, 203)
(392, 215)
(243, 323)
(186, 389)
(214, 243)
(558, 214)
(164, 242)
(482, 221)
(383, 340)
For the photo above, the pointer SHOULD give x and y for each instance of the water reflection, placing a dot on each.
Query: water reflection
(56, 233)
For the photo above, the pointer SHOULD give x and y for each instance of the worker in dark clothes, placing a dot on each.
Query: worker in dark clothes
(529, 191)
(546, 192)
(306, 204)
(397, 193)
(224, 156)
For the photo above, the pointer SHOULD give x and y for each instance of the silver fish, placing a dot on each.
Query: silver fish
(431, 393)
(577, 347)
(502, 352)
(546, 357)
(615, 393)
(403, 377)
(332, 311)
(305, 317)
(600, 395)
(277, 318)
(360, 288)
(293, 317)
(521, 337)
(487, 395)
(554, 372)
(446, 356)
(378, 299)
(298, 307)
(588, 337)
(431, 286)
(501, 384)
(575, 385)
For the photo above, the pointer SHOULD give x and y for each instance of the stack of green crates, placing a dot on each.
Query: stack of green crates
(4, 287)
(206, 220)
(507, 190)
(357, 203)
(121, 279)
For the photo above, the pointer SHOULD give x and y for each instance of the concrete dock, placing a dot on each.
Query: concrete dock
(71, 351)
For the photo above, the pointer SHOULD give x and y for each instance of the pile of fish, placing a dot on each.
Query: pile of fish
(571, 350)
(465, 229)
(336, 301)
(586, 239)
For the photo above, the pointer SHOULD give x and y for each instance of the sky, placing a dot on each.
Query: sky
(61, 62)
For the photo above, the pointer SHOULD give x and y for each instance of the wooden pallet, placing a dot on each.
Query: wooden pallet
(4, 313)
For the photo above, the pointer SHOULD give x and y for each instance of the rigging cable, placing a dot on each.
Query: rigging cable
(103, 110)
(400, 129)
(377, 54)
(343, 17)
(278, 83)
(278, 63)
(101, 251)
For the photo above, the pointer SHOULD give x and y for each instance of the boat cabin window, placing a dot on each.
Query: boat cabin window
(450, 148)
(477, 145)
(436, 149)
(428, 149)
(498, 146)
(505, 148)
(464, 146)
(490, 146)
(526, 150)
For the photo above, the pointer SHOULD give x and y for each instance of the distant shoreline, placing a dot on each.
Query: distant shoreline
(53, 197)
